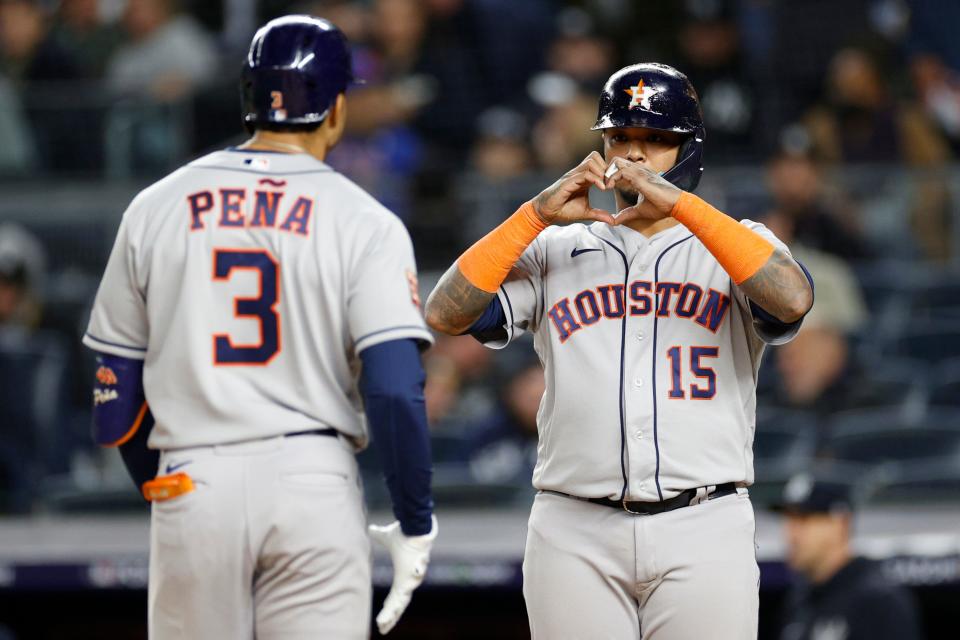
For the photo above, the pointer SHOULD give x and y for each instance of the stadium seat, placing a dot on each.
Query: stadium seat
(886, 281)
(944, 385)
(892, 384)
(81, 244)
(877, 438)
(448, 447)
(887, 287)
(931, 342)
(937, 298)
(783, 444)
(453, 489)
(913, 484)
(784, 435)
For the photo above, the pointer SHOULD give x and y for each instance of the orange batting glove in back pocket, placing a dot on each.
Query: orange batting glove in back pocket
(167, 487)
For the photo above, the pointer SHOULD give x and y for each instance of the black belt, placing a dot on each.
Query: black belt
(684, 499)
(329, 431)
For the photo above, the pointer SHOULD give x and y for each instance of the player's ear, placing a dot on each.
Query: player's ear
(338, 112)
(333, 124)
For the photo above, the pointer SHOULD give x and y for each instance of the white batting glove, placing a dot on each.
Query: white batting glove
(410, 556)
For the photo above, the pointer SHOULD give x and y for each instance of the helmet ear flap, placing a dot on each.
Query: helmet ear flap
(685, 174)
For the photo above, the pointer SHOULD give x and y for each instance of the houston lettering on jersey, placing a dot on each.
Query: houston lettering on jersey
(679, 299)
(231, 208)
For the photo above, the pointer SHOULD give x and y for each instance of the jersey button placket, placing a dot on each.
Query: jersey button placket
(638, 407)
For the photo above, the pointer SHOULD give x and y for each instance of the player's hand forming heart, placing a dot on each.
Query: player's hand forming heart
(567, 199)
(655, 196)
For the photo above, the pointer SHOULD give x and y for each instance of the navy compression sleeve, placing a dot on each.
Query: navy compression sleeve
(392, 387)
(141, 462)
(121, 417)
(489, 326)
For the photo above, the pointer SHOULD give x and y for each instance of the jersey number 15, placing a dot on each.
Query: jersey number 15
(707, 376)
(262, 307)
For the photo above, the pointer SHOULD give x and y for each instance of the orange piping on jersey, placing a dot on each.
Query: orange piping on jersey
(488, 262)
(740, 251)
(132, 430)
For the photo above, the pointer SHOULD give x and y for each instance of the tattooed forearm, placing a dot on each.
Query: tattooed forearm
(455, 304)
(780, 288)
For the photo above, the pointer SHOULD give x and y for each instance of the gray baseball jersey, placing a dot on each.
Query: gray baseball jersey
(650, 358)
(221, 265)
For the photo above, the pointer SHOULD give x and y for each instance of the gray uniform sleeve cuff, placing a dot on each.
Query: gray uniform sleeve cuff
(114, 348)
(416, 332)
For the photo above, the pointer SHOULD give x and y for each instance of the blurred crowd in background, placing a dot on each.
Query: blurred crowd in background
(834, 122)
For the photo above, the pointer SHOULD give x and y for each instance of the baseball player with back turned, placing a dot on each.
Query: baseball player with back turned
(252, 299)
(650, 325)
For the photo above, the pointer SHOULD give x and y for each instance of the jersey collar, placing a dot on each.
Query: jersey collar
(625, 236)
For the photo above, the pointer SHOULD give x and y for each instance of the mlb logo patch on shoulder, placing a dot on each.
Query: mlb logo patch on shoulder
(257, 163)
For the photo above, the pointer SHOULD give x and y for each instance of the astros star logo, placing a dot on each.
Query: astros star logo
(641, 96)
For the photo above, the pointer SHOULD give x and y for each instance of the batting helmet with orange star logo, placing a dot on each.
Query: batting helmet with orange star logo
(657, 96)
(296, 67)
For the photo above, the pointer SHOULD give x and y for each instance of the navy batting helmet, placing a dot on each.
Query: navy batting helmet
(296, 67)
(657, 96)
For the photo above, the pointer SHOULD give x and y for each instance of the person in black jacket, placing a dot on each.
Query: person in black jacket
(840, 596)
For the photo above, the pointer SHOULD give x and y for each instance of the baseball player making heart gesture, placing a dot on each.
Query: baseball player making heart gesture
(650, 325)
(263, 309)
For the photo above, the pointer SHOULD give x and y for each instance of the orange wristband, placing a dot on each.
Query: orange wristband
(488, 262)
(740, 251)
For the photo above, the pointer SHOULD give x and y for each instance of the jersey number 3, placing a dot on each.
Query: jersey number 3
(262, 307)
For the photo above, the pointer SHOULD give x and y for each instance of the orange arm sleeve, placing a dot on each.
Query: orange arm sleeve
(488, 262)
(740, 251)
